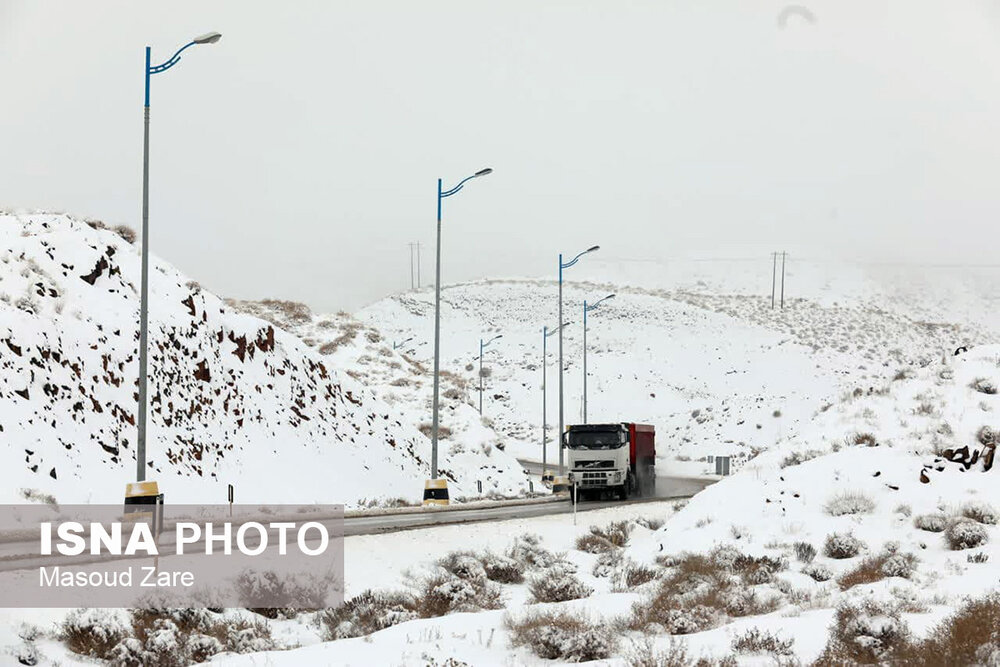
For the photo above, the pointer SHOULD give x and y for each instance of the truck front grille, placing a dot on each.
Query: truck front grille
(592, 478)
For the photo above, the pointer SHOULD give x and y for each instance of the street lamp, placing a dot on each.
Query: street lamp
(545, 338)
(437, 315)
(564, 265)
(396, 345)
(587, 309)
(482, 346)
(140, 454)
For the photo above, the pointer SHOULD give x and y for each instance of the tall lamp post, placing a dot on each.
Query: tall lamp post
(437, 316)
(140, 453)
(587, 309)
(562, 266)
(483, 346)
(545, 413)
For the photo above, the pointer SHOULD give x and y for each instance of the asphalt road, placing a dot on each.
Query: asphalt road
(24, 554)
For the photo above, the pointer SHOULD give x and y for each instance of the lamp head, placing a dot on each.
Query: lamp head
(483, 172)
(593, 248)
(208, 38)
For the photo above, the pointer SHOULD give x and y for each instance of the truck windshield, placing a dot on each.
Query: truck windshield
(595, 440)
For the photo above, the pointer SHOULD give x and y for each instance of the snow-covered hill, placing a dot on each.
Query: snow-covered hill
(717, 372)
(233, 399)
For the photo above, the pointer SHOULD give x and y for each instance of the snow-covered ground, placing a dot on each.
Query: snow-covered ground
(848, 411)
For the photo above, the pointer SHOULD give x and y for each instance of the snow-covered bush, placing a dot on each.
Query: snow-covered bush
(851, 502)
(805, 552)
(95, 632)
(529, 553)
(683, 621)
(464, 565)
(274, 594)
(900, 565)
(984, 386)
(608, 564)
(502, 569)
(869, 632)
(562, 636)
(201, 648)
(818, 572)
(248, 636)
(725, 555)
(366, 613)
(27, 654)
(842, 545)
(932, 523)
(966, 534)
(981, 512)
(558, 587)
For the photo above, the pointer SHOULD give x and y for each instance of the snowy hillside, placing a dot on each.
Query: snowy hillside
(233, 399)
(717, 372)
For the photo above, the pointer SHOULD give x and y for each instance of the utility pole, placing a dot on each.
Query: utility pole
(418, 264)
(412, 283)
(774, 274)
(783, 254)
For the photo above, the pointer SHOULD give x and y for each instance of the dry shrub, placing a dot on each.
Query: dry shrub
(617, 532)
(842, 545)
(559, 635)
(635, 574)
(796, 458)
(96, 224)
(757, 641)
(126, 232)
(95, 632)
(932, 523)
(757, 569)
(971, 636)
(966, 534)
(877, 568)
(366, 613)
(427, 429)
(818, 572)
(645, 654)
(868, 633)
(862, 439)
(850, 502)
(594, 544)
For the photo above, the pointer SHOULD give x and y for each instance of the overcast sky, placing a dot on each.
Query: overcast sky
(299, 156)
